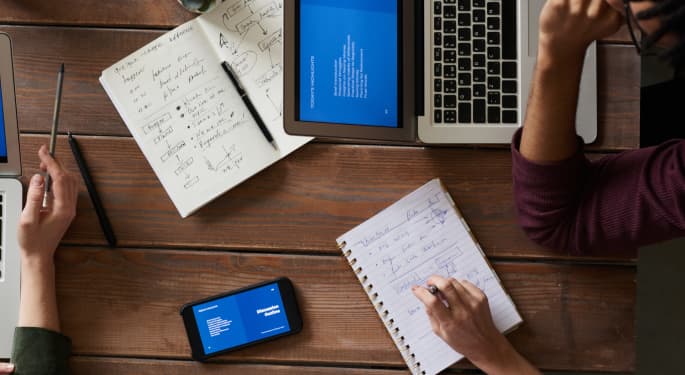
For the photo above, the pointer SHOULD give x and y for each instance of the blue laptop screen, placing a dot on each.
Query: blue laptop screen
(348, 62)
(3, 142)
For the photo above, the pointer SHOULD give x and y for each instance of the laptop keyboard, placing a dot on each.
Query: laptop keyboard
(475, 69)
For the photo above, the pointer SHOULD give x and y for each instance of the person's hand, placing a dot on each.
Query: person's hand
(567, 27)
(40, 231)
(649, 25)
(6, 368)
(465, 323)
(460, 315)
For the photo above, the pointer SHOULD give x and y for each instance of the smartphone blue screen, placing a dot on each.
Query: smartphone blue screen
(348, 62)
(3, 143)
(241, 318)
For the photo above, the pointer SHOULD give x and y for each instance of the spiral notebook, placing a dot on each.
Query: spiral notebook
(421, 235)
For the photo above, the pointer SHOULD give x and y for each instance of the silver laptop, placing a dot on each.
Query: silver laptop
(479, 60)
(442, 71)
(10, 200)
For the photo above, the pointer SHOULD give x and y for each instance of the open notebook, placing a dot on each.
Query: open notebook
(421, 235)
(186, 115)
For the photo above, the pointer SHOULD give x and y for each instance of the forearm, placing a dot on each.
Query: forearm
(549, 131)
(505, 360)
(38, 307)
(516, 365)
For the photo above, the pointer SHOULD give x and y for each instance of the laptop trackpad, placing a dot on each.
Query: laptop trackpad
(534, 9)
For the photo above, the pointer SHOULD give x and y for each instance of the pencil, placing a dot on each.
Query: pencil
(94, 197)
(53, 132)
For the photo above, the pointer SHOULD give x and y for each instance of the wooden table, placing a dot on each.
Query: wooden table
(120, 306)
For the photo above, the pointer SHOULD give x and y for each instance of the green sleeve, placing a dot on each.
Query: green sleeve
(38, 351)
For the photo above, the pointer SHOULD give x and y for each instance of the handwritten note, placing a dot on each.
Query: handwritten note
(186, 115)
(419, 236)
(249, 35)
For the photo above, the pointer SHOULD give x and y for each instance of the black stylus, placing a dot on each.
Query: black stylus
(94, 197)
(248, 103)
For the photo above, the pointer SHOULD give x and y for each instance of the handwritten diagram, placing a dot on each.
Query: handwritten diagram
(185, 113)
(241, 17)
(249, 35)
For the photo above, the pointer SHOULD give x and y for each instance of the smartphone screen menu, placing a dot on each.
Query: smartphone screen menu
(241, 318)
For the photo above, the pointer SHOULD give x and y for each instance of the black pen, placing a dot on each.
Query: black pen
(94, 197)
(53, 132)
(248, 103)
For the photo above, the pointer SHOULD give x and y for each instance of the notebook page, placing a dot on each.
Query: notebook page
(249, 36)
(187, 117)
(402, 246)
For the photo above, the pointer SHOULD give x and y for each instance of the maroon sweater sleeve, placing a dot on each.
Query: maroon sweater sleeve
(611, 205)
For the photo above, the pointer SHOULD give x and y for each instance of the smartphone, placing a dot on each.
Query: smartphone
(243, 317)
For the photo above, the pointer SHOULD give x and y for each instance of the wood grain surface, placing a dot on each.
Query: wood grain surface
(121, 13)
(121, 306)
(108, 13)
(302, 203)
(576, 316)
(116, 366)
(86, 109)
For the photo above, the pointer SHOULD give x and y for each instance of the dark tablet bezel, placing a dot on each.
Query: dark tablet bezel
(406, 131)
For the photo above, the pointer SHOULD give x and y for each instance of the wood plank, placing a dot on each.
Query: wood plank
(116, 366)
(618, 86)
(87, 110)
(106, 366)
(576, 317)
(113, 13)
(622, 36)
(302, 203)
(122, 13)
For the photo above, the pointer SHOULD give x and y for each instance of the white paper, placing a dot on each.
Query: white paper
(184, 112)
(422, 235)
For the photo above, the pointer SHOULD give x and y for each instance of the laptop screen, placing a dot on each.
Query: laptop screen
(348, 62)
(3, 143)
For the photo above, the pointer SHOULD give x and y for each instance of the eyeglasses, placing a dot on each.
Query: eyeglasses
(633, 23)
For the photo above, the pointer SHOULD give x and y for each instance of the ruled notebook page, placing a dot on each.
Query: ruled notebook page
(421, 235)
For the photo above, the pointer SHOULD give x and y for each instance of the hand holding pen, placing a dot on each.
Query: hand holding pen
(40, 230)
(53, 132)
(460, 315)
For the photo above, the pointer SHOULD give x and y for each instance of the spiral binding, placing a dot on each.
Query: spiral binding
(388, 321)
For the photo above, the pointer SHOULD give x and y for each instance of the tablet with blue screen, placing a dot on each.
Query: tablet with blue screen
(346, 69)
(348, 62)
